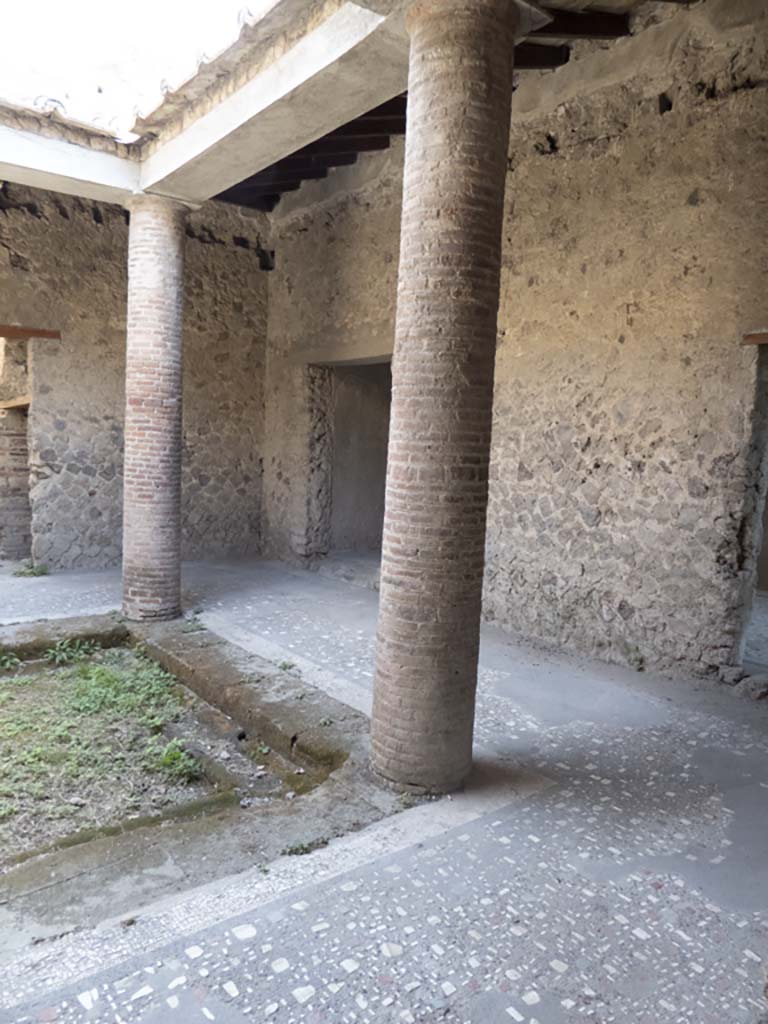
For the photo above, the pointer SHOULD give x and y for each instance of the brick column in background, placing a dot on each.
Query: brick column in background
(459, 95)
(152, 473)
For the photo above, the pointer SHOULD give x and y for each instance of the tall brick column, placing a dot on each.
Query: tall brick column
(459, 97)
(152, 480)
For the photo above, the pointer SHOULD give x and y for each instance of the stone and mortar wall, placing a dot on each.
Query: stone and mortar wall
(63, 264)
(629, 429)
(331, 301)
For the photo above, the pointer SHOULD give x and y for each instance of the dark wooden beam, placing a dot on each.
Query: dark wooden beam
(334, 146)
(530, 57)
(365, 127)
(272, 174)
(270, 188)
(264, 203)
(15, 332)
(290, 169)
(585, 25)
(392, 108)
(321, 160)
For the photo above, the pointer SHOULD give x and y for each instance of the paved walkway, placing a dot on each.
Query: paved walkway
(606, 864)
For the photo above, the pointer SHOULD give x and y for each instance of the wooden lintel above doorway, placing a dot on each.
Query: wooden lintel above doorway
(758, 337)
(16, 332)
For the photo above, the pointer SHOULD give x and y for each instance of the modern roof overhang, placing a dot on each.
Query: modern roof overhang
(336, 92)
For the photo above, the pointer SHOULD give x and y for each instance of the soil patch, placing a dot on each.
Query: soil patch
(107, 738)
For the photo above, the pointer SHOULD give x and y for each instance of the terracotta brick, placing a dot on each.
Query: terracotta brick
(460, 86)
(152, 467)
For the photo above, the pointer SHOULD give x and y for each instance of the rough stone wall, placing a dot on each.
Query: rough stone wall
(629, 430)
(330, 300)
(622, 518)
(63, 264)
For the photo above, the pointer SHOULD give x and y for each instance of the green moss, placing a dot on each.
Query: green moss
(175, 762)
(32, 570)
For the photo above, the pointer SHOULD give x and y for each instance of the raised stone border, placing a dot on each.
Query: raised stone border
(298, 721)
(328, 741)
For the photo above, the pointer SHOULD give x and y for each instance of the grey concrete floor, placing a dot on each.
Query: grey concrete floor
(608, 861)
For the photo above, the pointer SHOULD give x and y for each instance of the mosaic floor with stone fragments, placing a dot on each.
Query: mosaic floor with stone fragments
(608, 863)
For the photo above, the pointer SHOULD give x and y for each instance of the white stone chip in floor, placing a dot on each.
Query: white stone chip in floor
(606, 863)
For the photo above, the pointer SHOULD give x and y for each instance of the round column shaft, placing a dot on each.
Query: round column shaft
(152, 468)
(459, 97)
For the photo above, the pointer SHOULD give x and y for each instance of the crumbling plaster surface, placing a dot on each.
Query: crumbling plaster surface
(63, 265)
(627, 453)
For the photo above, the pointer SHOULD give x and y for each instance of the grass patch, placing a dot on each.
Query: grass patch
(180, 765)
(81, 745)
(32, 570)
(66, 652)
(8, 659)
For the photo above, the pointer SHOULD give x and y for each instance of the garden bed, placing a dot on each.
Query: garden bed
(93, 741)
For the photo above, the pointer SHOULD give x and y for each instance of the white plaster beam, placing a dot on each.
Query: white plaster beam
(40, 162)
(353, 61)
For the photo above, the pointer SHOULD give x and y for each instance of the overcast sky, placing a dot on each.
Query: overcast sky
(102, 61)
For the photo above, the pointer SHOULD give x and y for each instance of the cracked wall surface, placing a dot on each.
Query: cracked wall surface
(628, 451)
(63, 265)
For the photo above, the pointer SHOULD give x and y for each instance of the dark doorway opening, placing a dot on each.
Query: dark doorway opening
(350, 409)
(362, 399)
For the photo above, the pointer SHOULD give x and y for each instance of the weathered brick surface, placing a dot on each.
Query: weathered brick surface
(437, 480)
(152, 457)
(626, 467)
(15, 514)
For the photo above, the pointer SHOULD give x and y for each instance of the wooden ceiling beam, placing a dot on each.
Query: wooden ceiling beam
(392, 108)
(320, 160)
(366, 127)
(584, 25)
(530, 57)
(273, 174)
(336, 146)
(270, 188)
(264, 203)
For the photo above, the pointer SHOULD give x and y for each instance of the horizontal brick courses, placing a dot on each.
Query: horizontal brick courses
(460, 86)
(152, 466)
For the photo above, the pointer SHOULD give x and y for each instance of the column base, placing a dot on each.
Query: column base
(151, 599)
(151, 615)
(417, 789)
